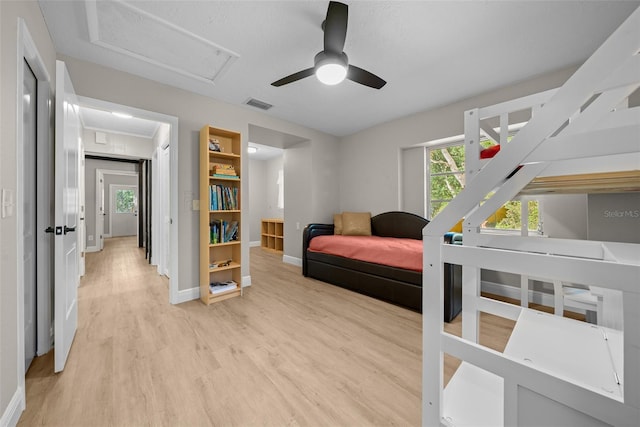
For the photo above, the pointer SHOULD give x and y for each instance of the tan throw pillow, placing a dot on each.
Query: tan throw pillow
(356, 223)
(337, 223)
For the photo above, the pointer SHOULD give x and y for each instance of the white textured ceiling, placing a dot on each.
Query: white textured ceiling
(431, 53)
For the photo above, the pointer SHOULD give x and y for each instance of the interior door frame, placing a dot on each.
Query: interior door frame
(175, 296)
(27, 51)
(111, 207)
(100, 173)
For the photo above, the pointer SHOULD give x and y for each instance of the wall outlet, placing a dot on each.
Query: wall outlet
(297, 226)
(91, 237)
(196, 205)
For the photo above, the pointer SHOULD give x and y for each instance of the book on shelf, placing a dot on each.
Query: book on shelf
(222, 166)
(224, 176)
(223, 197)
(219, 287)
(221, 231)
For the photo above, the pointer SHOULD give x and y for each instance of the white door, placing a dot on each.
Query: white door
(123, 210)
(81, 232)
(165, 209)
(67, 144)
(100, 210)
(29, 213)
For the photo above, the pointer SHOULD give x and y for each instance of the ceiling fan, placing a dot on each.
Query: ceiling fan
(332, 64)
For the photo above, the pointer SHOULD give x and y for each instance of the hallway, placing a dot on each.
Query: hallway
(121, 326)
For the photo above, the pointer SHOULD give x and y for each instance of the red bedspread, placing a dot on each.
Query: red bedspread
(391, 251)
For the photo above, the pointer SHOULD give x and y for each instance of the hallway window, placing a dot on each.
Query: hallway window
(125, 201)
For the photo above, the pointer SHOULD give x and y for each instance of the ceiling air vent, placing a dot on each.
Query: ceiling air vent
(258, 104)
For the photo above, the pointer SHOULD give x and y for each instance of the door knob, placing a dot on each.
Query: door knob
(68, 229)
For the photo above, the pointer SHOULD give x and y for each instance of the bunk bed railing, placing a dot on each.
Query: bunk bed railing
(563, 125)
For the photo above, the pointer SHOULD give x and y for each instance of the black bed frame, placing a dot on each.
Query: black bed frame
(391, 284)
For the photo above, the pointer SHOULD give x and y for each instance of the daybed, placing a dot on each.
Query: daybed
(399, 286)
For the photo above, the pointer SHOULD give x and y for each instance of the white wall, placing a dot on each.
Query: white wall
(369, 159)
(257, 197)
(118, 145)
(9, 13)
(263, 193)
(195, 111)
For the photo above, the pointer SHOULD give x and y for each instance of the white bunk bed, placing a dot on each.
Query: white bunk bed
(582, 137)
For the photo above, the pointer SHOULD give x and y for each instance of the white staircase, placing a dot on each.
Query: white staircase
(554, 371)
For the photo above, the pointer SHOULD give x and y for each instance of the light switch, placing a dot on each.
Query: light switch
(7, 203)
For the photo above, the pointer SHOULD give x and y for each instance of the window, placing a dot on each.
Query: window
(446, 176)
(125, 201)
(445, 179)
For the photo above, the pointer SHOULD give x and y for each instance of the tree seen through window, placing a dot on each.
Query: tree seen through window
(447, 179)
(125, 201)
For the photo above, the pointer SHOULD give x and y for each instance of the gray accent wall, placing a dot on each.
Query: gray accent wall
(614, 217)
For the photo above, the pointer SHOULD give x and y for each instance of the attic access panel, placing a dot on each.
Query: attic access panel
(125, 29)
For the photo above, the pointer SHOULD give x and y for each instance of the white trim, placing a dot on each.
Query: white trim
(185, 295)
(14, 409)
(254, 244)
(173, 201)
(106, 236)
(91, 249)
(246, 281)
(292, 260)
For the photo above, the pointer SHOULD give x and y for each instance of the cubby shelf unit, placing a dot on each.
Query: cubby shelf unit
(272, 234)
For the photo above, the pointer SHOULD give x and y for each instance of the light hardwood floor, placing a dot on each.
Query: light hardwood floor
(291, 351)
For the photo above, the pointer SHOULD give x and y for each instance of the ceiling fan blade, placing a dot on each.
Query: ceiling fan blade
(364, 77)
(335, 27)
(294, 77)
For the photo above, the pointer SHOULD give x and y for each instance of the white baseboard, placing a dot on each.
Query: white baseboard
(14, 409)
(246, 281)
(91, 249)
(188, 295)
(254, 244)
(292, 260)
(106, 236)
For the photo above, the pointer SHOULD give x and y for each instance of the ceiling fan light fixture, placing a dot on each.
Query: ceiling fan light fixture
(331, 73)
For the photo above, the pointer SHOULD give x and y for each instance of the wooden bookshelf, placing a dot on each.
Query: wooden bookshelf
(220, 210)
(272, 234)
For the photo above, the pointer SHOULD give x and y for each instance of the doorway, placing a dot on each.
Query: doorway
(164, 216)
(29, 209)
(33, 206)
